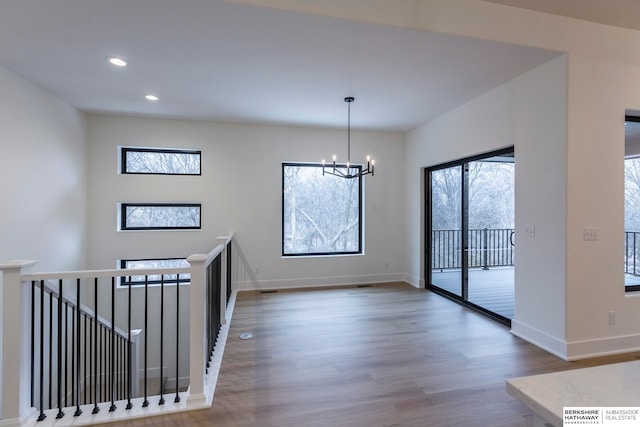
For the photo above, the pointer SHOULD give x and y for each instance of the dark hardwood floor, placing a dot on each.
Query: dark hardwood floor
(388, 355)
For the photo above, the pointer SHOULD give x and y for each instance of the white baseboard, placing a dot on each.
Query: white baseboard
(539, 338)
(576, 350)
(314, 282)
(602, 347)
(413, 281)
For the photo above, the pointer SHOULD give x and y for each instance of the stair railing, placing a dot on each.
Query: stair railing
(86, 347)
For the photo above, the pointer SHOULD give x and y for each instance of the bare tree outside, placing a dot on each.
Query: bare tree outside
(321, 213)
(632, 194)
(150, 216)
(491, 195)
(159, 161)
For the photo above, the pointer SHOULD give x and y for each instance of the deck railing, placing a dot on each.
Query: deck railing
(85, 347)
(487, 247)
(632, 252)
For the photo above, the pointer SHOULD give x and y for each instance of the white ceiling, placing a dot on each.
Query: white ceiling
(619, 13)
(216, 60)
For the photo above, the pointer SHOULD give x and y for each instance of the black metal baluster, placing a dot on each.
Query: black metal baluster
(207, 291)
(177, 398)
(100, 364)
(60, 413)
(50, 349)
(118, 384)
(113, 344)
(42, 416)
(129, 365)
(78, 410)
(87, 361)
(33, 339)
(66, 353)
(161, 401)
(103, 363)
(96, 409)
(145, 403)
(121, 368)
(73, 355)
(229, 267)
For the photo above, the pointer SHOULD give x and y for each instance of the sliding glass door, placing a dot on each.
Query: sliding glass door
(470, 232)
(446, 220)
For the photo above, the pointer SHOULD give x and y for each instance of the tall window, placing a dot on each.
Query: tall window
(159, 216)
(159, 161)
(321, 214)
(632, 204)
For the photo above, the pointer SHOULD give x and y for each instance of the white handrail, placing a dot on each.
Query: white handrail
(90, 274)
(15, 309)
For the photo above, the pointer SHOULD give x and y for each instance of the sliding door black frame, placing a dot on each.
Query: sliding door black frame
(464, 298)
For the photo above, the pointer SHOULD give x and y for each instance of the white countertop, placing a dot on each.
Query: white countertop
(608, 385)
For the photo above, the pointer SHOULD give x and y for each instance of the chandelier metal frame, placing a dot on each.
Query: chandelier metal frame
(337, 170)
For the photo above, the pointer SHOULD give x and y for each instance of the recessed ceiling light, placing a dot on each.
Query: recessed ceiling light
(118, 62)
(151, 97)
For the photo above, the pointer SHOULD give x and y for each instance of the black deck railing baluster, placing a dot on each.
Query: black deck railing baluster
(177, 398)
(635, 254)
(60, 412)
(96, 356)
(145, 402)
(487, 248)
(78, 410)
(161, 401)
(113, 331)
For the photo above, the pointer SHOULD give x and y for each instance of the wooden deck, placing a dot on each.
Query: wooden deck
(493, 289)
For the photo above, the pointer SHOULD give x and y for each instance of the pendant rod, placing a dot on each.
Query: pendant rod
(349, 134)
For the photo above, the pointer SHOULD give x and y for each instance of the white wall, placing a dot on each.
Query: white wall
(529, 114)
(42, 177)
(42, 181)
(240, 190)
(603, 77)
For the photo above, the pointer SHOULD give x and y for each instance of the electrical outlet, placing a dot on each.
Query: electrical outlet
(530, 231)
(257, 269)
(590, 233)
(612, 318)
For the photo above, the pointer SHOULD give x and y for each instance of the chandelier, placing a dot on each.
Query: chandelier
(339, 170)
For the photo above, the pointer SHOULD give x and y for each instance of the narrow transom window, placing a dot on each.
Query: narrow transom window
(159, 161)
(160, 216)
(154, 279)
(321, 214)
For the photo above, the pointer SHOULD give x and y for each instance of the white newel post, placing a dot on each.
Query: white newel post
(15, 400)
(197, 323)
(223, 280)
